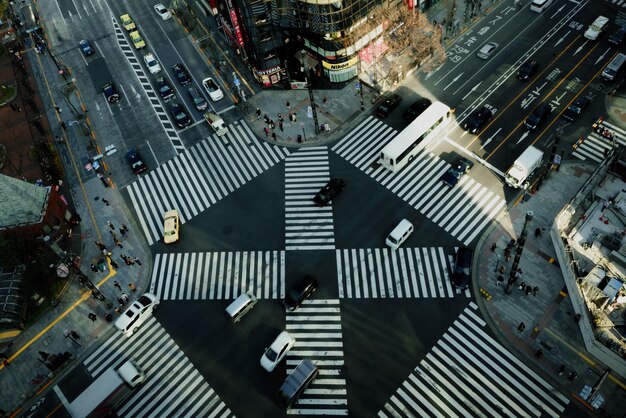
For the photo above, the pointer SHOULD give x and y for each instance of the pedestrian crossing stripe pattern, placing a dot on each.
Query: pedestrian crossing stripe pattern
(468, 373)
(218, 275)
(404, 273)
(316, 326)
(173, 386)
(463, 211)
(595, 146)
(307, 226)
(198, 178)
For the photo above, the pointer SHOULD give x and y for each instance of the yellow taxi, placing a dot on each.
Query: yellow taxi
(170, 226)
(137, 39)
(127, 22)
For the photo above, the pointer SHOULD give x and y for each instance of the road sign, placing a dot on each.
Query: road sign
(357, 86)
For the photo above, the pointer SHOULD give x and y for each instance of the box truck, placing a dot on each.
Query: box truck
(107, 392)
(523, 167)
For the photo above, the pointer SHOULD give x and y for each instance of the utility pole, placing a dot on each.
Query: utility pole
(309, 87)
(518, 252)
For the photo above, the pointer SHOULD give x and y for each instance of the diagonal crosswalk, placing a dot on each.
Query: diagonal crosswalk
(218, 275)
(404, 273)
(316, 326)
(595, 146)
(198, 178)
(468, 373)
(307, 226)
(173, 386)
(463, 211)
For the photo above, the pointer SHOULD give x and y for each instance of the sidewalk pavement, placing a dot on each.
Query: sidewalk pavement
(548, 315)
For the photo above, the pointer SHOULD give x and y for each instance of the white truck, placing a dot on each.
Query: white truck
(597, 27)
(523, 167)
(107, 391)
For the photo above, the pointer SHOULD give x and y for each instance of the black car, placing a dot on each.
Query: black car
(618, 37)
(478, 120)
(417, 109)
(85, 46)
(458, 170)
(180, 116)
(539, 115)
(181, 74)
(305, 288)
(164, 88)
(390, 103)
(329, 192)
(575, 109)
(110, 93)
(135, 161)
(462, 272)
(527, 70)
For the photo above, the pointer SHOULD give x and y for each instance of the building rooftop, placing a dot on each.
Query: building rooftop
(22, 203)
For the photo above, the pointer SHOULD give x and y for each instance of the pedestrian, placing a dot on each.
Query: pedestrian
(62, 124)
(118, 310)
(122, 231)
(58, 109)
(274, 136)
(561, 370)
(123, 257)
(258, 113)
(92, 316)
(128, 261)
(501, 270)
(118, 243)
(120, 301)
(539, 353)
(106, 253)
(267, 131)
(111, 225)
(288, 105)
(272, 125)
(295, 117)
(124, 227)
(125, 298)
(132, 287)
(106, 202)
(500, 280)
(280, 117)
(136, 260)
(522, 286)
(108, 317)
(280, 125)
(93, 268)
(114, 265)
(324, 99)
(577, 317)
(572, 376)
(493, 247)
(59, 140)
(117, 284)
(538, 233)
(528, 290)
(266, 118)
(75, 335)
(535, 290)
(521, 327)
(44, 355)
(113, 234)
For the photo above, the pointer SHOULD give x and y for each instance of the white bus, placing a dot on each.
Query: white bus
(540, 5)
(403, 148)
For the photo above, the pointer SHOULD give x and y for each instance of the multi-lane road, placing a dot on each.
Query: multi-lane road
(388, 332)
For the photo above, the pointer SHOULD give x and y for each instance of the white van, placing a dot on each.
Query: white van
(399, 234)
(540, 5)
(240, 306)
(615, 67)
(138, 312)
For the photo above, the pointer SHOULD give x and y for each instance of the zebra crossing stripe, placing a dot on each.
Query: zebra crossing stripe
(218, 275)
(467, 373)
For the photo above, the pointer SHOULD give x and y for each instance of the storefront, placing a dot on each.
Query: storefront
(342, 71)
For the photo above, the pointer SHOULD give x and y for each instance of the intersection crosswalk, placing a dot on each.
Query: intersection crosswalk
(316, 326)
(405, 273)
(173, 387)
(307, 226)
(218, 275)
(463, 211)
(468, 373)
(198, 178)
(594, 147)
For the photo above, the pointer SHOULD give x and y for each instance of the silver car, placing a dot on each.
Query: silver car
(487, 50)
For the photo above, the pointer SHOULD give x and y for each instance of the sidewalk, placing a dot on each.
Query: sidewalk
(548, 315)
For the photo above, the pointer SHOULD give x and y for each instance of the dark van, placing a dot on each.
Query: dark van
(539, 115)
(297, 382)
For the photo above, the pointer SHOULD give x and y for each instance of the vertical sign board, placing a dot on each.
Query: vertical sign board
(235, 22)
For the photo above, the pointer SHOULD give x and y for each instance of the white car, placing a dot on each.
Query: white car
(276, 352)
(162, 11)
(152, 64)
(170, 226)
(211, 87)
(487, 50)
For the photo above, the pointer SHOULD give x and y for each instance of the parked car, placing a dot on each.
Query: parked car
(164, 88)
(110, 93)
(461, 167)
(86, 48)
(462, 273)
(527, 69)
(416, 109)
(618, 36)
(276, 352)
(390, 103)
(152, 64)
(170, 226)
(162, 11)
(575, 109)
(329, 191)
(477, 121)
(135, 162)
(181, 74)
(137, 40)
(487, 50)
(181, 118)
(302, 290)
(211, 87)
(198, 101)
(127, 22)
